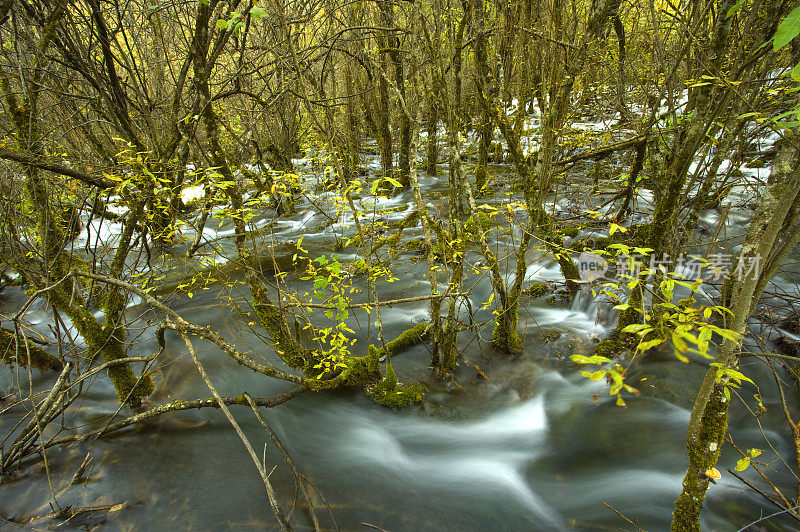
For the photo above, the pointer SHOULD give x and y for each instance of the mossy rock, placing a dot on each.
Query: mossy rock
(400, 396)
(479, 221)
(537, 290)
(551, 336)
(571, 232)
(390, 393)
(614, 347)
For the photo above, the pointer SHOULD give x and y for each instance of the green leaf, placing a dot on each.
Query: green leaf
(734, 9)
(394, 182)
(728, 334)
(743, 464)
(787, 30)
(636, 327)
(748, 115)
(613, 228)
(679, 343)
(621, 247)
(644, 346)
(257, 13)
(595, 359)
(597, 375)
(222, 24)
(796, 72)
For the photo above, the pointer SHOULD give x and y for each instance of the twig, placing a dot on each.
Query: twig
(177, 323)
(760, 492)
(770, 516)
(626, 519)
(373, 527)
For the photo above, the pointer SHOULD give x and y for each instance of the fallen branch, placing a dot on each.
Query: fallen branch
(604, 151)
(174, 406)
(387, 303)
(179, 324)
(52, 164)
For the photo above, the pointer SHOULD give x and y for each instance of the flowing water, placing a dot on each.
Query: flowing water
(536, 446)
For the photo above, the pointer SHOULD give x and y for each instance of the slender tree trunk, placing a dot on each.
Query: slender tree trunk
(709, 418)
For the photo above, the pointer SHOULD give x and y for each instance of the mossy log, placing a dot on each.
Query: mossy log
(16, 350)
(404, 340)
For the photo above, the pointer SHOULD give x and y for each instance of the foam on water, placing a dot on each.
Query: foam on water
(99, 231)
(469, 457)
(192, 193)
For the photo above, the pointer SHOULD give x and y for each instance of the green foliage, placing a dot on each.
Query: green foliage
(787, 30)
(614, 375)
(729, 378)
(744, 462)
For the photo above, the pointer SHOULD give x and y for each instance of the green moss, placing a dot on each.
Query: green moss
(703, 455)
(357, 267)
(392, 241)
(505, 335)
(476, 223)
(641, 234)
(537, 290)
(406, 339)
(571, 232)
(131, 390)
(444, 359)
(363, 370)
(496, 153)
(270, 317)
(416, 245)
(357, 371)
(480, 178)
(613, 347)
(390, 393)
(570, 272)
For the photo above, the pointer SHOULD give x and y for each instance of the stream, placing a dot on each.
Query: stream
(536, 446)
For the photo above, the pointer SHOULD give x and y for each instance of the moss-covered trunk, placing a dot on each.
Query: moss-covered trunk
(765, 240)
